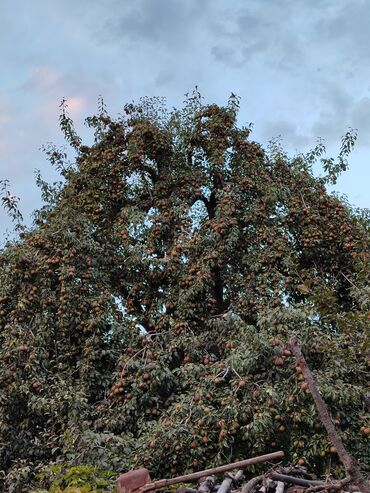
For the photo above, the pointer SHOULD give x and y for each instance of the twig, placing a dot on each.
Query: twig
(236, 373)
(189, 414)
(347, 460)
(130, 359)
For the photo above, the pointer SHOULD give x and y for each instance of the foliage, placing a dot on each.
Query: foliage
(10, 203)
(144, 318)
(78, 479)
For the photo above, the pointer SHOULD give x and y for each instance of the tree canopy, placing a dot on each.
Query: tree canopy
(144, 317)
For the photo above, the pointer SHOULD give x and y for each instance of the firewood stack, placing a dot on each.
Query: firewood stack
(279, 479)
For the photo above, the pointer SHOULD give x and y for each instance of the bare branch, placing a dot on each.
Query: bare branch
(347, 460)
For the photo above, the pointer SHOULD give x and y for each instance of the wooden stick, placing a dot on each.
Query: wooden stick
(347, 460)
(216, 470)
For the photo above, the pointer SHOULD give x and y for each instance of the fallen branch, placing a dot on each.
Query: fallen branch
(301, 471)
(293, 480)
(347, 460)
(337, 485)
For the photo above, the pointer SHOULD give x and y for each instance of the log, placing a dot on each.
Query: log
(207, 485)
(346, 458)
(228, 481)
(280, 487)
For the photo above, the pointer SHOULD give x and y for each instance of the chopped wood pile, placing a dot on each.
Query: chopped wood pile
(295, 479)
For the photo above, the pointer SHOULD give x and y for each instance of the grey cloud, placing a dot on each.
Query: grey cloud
(249, 25)
(334, 115)
(288, 132)
(226, 55)
(360, 119)
(255, 32)
(325, 36)
(163, 78)
(168, 23)
(334, 122)
(330, 127)
(300, 67)
(337, 98)
(348, 27)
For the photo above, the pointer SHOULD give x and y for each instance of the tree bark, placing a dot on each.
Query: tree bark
(347, 460)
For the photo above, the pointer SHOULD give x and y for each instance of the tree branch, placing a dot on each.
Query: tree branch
(347, 460)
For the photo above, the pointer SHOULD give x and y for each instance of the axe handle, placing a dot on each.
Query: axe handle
(216, 470)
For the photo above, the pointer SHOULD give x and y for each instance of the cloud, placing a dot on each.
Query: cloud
(4, 117)
(225, 55)
(300, 67)
(166, 23)
(76, 105)
(255, 32)
(49, 109)
(347, 27)
(5, 146)
(290, 134)
(360, 119)
(5, 122)
(43, 78)
(342, 110)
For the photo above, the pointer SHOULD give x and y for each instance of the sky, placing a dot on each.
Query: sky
(300, 67)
